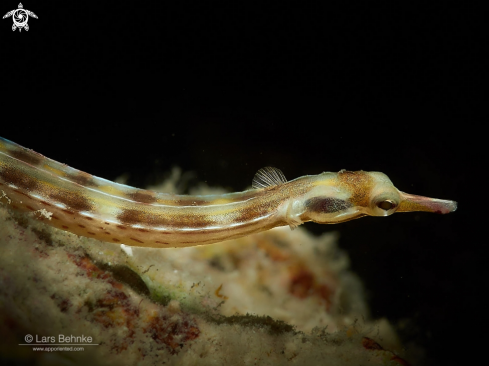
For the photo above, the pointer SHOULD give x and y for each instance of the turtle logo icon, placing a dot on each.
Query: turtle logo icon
(20, 17)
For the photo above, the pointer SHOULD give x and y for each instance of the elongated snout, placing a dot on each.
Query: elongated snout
(411, 202)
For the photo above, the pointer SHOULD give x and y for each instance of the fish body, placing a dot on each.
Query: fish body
(78, 202)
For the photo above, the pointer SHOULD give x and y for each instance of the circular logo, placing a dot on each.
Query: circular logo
(20, 17)
(28, 338)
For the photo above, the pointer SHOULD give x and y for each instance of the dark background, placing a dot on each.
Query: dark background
(223, 90)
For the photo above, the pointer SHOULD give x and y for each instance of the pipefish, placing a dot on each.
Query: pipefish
(94, 207)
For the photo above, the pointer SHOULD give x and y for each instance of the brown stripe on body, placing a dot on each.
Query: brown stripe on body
(252, 212)
(27, 156)
(242, 212)
(17, 177)
(142, 196)
(359, 183)
(142, 217)
(83, 179)
(71, 199)
(27, 183)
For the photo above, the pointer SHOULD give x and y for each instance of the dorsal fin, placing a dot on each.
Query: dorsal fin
(267, 177)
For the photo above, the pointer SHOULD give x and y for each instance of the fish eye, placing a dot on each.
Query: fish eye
(386, 205)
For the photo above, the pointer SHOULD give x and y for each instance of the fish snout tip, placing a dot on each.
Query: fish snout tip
(411, 202)
(445, 206)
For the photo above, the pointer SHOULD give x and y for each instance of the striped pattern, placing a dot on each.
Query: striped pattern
(94, 207)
